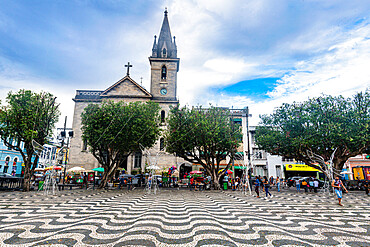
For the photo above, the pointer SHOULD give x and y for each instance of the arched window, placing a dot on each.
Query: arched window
(6, 164)
(15, 160)
(164, 72)
(84, 145)
(164, 52)
(138, 156)
(161, 144)
(163, 116)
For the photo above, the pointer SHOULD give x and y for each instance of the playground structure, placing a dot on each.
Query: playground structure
(151, 162)
(327, 168)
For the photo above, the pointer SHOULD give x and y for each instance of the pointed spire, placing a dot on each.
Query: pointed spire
(165, 47)
(154, 49)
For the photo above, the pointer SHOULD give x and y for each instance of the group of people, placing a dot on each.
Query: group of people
(308, 185)
(264, 184)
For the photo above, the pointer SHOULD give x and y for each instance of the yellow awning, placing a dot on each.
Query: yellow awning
(300, 167)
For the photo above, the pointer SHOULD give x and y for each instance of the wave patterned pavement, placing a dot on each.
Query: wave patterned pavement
(181, 218)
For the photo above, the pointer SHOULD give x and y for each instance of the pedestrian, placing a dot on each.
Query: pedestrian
(311, 184)
(316, 185)
(266, 184)
(271, 180)
(233, 184)
(129, 183)
(366, 185)
(298, 185)
(278, 184)
(191, 183)
(304, 185)
(257, 186)
(85, 184)
(121, 182)
(337, 184)
(237, 183)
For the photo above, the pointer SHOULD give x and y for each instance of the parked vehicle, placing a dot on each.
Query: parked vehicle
(6, 175)
(291, 181)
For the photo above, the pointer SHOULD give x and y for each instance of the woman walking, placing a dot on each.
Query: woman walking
(257, 187)
(278, 184)
(266, 183)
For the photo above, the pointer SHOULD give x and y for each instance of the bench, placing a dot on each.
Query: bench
(61, 186)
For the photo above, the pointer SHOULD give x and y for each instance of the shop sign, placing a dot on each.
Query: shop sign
(90, 177)
(367, 173)
(300, 167)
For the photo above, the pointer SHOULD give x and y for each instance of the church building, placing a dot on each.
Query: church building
(164, 65)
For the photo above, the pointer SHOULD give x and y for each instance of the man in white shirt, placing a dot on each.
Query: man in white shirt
(316, 185)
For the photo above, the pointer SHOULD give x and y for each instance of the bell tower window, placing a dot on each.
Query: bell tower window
(163, 116)
(164, 72)
(161, 144)
(164, 52)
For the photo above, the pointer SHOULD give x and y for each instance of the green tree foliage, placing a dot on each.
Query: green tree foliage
(28, 116)
(319, 125)
(203, 136)
(114, 130)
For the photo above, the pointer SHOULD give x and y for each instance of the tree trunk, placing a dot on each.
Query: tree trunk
(104, 179)
(27, 175)
(215, 177)
(107, 176)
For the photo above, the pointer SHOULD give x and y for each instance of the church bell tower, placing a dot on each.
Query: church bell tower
(164, 64)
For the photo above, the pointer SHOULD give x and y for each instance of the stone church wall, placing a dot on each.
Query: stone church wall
(78, 157)
(169, 83)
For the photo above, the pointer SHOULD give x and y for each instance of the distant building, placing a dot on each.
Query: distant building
(359, 167)
(11, 161)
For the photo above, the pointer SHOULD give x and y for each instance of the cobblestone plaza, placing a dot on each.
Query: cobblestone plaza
(182, 218)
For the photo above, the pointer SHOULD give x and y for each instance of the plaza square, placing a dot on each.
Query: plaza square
(182, 218)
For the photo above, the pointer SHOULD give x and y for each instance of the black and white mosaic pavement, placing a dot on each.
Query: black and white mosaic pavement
(182, 218)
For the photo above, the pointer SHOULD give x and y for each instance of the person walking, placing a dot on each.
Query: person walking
(366, 185)
(233, 184)
(257, 186)
(192, 183)
(298, 185)
(311, 184)
(315, 185)
(129, 183)
(305, 185)
(337, 184)
(278, 184)
(266, 184)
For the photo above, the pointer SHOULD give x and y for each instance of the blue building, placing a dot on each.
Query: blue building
(11, 161)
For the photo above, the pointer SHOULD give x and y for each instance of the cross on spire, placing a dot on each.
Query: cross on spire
(128, 65)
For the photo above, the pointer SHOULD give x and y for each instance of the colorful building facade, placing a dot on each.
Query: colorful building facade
(11, 161)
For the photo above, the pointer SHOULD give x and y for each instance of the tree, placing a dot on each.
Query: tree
(114, 130)
(319, 125)
(203, 136)
(28, 116)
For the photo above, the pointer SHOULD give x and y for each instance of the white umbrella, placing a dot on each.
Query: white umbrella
(153, 167)
(76, 169)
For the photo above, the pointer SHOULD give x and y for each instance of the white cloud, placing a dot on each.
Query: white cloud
(219, 43)
(343, 69)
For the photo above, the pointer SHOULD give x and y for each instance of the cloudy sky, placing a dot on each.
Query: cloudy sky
(235, 53)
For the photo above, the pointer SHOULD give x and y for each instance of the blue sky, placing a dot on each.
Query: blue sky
(233, 53)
